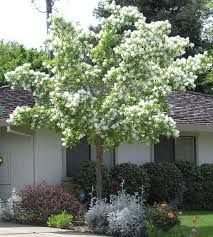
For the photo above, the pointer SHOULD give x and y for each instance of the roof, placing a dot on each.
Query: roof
(187, 107)
(10, 99)
(191, 108)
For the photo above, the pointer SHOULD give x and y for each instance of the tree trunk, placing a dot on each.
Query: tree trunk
(99, 159)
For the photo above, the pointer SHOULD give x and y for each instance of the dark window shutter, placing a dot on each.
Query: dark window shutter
(75, 156)
(164, 150)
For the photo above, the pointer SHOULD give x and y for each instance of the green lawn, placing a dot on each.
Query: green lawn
(204, 227)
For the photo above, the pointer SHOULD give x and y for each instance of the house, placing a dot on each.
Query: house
(35, 156)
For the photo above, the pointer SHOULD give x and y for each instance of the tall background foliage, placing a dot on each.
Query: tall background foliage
(13, 54)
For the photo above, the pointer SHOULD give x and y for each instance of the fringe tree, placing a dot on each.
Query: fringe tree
(109, 86)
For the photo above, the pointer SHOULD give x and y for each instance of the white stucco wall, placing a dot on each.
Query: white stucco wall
(136, 153)
(29, 159)
(38, 158)
(48, 157)
(17, 169)
(205, 148)
(139, 153)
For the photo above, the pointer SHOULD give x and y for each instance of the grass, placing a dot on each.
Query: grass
(204, 226)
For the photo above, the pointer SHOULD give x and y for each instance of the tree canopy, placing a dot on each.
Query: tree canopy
(189, 18)
(185, 16)
(109, 86)
(13, 55)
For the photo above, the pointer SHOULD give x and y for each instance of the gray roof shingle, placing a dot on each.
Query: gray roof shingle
(10, 99)
(191, 108)
(187, 107)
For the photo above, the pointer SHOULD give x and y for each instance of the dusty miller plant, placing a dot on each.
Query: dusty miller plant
(97, 216)
(124, 215)
(109, 86)
(11, 208)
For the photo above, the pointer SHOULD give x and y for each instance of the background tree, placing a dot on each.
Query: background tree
(208, 79)
(111, 86)
(13, 55)
(207, 83)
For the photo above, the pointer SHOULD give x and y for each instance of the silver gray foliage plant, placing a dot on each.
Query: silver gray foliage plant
(97, 216)
(124, 215)
(11, 208)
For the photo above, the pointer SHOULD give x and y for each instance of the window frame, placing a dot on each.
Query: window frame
(64, 161)
(195, 140)
(194, 143)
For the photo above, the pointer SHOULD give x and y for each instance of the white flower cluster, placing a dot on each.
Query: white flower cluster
(16, 116)
(39, 83)
(112, 84)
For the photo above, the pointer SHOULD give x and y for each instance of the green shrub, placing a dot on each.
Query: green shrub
(206, 171)
(199, 185)
(188, 169)
(192, 197)
(134, 177)
(86, 177)
(165, 181)
(163, 217)
(62, 221)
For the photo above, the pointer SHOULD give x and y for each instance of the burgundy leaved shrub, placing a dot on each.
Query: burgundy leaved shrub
(42, 200)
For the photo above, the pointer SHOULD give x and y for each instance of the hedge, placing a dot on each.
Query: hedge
(86, 178)
(165, 181)
(135, 178)
(198, 184)
(161, 182)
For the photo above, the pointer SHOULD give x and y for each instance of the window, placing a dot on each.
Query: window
(83, 152)
(76, 155)
(185, 148)
(181, 148)
(164, 150)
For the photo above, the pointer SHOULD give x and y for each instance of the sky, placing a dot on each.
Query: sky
(20, 21)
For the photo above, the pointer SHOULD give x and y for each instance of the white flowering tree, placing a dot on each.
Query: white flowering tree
(111, 86)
